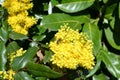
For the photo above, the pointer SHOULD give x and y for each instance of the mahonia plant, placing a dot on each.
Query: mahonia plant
(34, 45)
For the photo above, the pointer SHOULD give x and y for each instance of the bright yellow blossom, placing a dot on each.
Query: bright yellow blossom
(16, 6)
(72, 49)
(18, 16)
(16, 54)
(21, 23)
(8, 75)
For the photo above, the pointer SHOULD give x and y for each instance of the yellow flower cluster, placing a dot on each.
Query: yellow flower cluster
(7, 75)
(17, 53)
(16, 6)
(18, 16)
(72, 49)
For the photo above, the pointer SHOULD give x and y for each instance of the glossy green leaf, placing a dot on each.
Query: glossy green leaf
(3, 58)
(96, 67)
(75, 5)
(20, 62)
(47, 56)
(12, 47)
(54, 21)
(93, 34)
(99, 77)
(112, 22)
(42, 70)
(110, 38)
(41, 30)
(17, 36)
(82, 19)
(112, 62)
(4, 31)
(39, 38)
(109, 11)
(22, 76)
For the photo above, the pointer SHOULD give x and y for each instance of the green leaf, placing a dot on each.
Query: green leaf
(40, 35)
(4, 32)
(2, 12)
(112, 62)
(105, 1)
(93, 34)
(109, 11)
(3, 58)
(54, 2)
(99, 77)
(39, 38)
(42, 70)
(47, 56)
(110, 38)
(77, 79)
(17, 36)
(12, 47)
(112, 22)
(20, 62)
(82, 19)
(75, 5)
(41, 30)
(41, 78)
(54, 21)
(119, 10)
(22, 76)
(97, 65)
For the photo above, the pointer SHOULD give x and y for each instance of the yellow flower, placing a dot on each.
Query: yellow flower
(8, 75)
(17, 53)
(25, 1)
(21, 22)
(19, 29)
(18, 16)
(72, 49)
(1, 72)
(17, 6)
